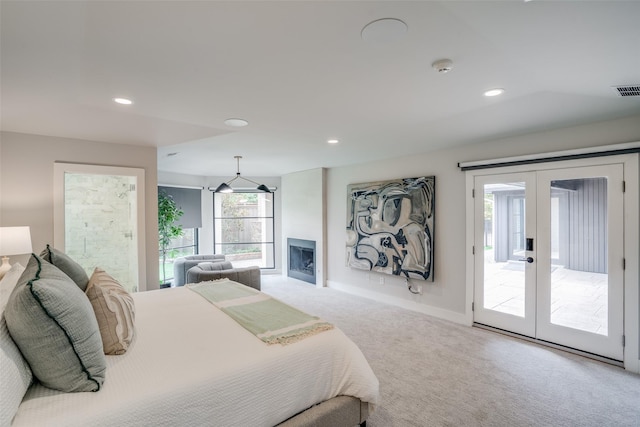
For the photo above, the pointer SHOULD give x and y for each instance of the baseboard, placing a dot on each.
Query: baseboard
(399, 302)
(633, 366)
(269, 272)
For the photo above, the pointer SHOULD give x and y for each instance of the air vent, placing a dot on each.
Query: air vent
(627, 90)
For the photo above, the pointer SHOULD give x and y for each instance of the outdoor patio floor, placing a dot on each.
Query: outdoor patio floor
(578, 298)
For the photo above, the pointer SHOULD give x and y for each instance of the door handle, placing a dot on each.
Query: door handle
(528, 259)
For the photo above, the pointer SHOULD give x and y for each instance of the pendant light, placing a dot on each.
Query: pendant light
(225, 187)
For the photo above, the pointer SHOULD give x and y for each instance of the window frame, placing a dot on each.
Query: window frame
(272, 218)
(195, 246)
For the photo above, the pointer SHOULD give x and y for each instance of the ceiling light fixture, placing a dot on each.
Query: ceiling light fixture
(494, 92)
(332, 141)
(225, 187)
(123, 101)
(236, 123)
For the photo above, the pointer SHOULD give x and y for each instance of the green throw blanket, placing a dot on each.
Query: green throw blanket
(267, 318)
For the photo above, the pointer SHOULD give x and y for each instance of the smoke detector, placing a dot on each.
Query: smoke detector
(442, 65)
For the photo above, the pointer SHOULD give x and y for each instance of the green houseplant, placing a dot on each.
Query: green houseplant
(168, 214)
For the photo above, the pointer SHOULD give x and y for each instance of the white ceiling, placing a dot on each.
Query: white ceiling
(300, 73)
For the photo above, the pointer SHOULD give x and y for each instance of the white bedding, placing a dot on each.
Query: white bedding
(190, 364)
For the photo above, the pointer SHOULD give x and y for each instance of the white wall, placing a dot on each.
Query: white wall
(303, 207)
(447, 295)
(26, 184)
(26, 198)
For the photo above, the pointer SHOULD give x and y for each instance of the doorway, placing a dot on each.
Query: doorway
(99, 220)
(549, 254)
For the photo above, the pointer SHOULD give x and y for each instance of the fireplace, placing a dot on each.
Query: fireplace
(302, 260)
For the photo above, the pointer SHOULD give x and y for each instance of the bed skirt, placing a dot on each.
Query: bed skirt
(340, 411)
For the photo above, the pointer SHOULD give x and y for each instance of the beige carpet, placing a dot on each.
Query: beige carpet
(437, 373)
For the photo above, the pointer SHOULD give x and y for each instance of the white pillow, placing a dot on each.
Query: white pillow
(15, 374)
(8, 282)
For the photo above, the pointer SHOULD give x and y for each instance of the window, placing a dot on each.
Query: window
(182, 246)
(189, 201)
(243, 228)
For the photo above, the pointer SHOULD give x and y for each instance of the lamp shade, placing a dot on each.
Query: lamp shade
(224, 188)
(15, 240)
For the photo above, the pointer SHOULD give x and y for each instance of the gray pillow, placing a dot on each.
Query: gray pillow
(15, 374)
(52, 322)
(215, 266)
(67, 265)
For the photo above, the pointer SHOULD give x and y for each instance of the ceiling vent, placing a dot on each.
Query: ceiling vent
(627, 90)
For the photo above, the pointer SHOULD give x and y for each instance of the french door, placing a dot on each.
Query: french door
(549, 256)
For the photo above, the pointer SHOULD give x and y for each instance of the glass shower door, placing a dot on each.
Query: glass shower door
(99, 216)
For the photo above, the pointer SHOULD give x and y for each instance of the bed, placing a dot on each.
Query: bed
(190, 363)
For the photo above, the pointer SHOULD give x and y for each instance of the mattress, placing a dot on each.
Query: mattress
(191, 364)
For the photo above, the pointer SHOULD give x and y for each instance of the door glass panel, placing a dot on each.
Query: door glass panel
(579, 258)
(100, 224)
(504, 247)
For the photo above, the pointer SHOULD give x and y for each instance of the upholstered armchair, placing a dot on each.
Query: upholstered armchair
(183, 264)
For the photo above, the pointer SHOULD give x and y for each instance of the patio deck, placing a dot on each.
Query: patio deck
(578, 299)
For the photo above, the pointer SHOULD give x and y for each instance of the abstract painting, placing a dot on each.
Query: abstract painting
(390, 227)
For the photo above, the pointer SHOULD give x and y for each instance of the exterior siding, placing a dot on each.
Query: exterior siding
(587, 250)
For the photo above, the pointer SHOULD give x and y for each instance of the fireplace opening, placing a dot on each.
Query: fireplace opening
(302, 260)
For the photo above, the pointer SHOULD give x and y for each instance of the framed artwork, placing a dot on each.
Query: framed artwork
(390, 227)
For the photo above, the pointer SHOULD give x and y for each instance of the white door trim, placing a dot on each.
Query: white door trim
(631, 243)
(525, 325)
(610, 344)
(59, 171)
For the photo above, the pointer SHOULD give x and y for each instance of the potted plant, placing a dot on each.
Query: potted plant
(168, 213)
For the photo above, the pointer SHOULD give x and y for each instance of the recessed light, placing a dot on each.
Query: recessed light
(494, 92)
(332, 141)
(123, 101)
(236, 123)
